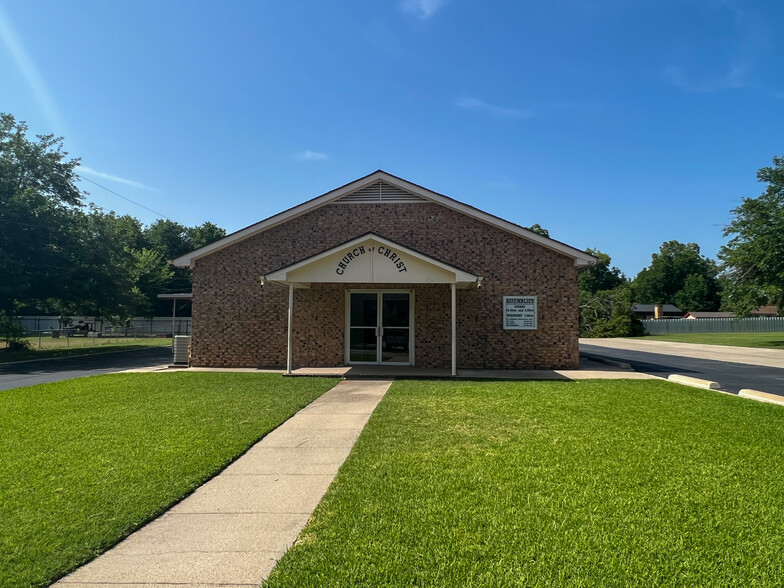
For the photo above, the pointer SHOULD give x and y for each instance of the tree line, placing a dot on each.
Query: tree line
(749, 273)
(60, 255)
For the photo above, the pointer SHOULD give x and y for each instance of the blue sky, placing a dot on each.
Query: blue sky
(616, 124)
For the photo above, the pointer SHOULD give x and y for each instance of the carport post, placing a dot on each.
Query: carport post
(454, 329)
(291, 310)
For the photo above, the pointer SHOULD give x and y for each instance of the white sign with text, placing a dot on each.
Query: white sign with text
(520, 313)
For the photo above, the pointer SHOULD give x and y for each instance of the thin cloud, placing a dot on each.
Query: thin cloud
(481, 106)
(309, 155)
(732, 80)
(422, 9)
(99, 174)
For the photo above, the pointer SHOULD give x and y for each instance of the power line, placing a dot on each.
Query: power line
(160, 214)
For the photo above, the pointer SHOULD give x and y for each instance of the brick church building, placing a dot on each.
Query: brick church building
(383, 271)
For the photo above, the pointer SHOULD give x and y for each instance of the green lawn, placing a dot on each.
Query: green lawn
(769, 340)
(87, 461)
(65, 346)
(590, 483)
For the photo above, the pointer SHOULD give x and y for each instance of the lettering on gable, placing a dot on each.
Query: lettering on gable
(389, 254)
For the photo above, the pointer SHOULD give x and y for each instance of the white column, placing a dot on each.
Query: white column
(454, 330)
(291, 314)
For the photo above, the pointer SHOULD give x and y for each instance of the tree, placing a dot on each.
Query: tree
(605, 301)
(608, 313)
(754, 257)
(57, 256)
(539, 230)
(600, 276)
(38, 195)
(678, 274)
(204, 234)
(152, 275)
(170, 238)
(97, 274)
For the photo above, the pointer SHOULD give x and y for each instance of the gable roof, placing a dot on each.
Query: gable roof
(382, 187)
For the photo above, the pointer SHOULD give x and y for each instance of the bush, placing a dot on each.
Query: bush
(618, 326)
(12, 333)
(608, 313)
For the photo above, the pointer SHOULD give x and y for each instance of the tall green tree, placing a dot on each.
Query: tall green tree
(169, 238)
(754, 257)
(172, 239)
(599, 276)
(679, 275)
(152, 275)
(204, 234)
(38, 196)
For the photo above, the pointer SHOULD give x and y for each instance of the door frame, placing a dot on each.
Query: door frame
(379, 292)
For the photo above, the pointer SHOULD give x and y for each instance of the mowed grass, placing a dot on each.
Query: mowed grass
(64, 347)
(85, 462)
(767, 340)
(590, 483)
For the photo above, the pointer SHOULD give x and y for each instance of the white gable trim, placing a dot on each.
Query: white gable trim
(461, 278)
(580, 257)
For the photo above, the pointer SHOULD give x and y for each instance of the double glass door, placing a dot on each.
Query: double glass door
(379, 325)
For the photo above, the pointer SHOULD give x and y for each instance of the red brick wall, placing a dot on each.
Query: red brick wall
(237, 323)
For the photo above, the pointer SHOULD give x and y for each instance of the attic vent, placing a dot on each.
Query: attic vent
(380, 192)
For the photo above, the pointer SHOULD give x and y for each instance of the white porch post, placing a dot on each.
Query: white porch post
(454, 330)
(291, 314)
(174, 315)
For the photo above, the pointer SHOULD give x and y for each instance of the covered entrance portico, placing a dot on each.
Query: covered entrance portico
(379, 321)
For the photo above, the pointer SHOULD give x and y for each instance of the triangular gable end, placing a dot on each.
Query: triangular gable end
(382, 187)
(371, 259)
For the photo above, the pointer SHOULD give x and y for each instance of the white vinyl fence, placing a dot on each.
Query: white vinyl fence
(715, 325)
(139, 326)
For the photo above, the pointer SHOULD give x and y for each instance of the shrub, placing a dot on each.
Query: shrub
(12, 333)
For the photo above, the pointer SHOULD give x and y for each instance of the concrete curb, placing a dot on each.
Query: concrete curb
(694, 382)
(761, 396)
(619, 364)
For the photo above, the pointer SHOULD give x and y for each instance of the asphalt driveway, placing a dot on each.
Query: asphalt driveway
(734, 368)
(16, 375)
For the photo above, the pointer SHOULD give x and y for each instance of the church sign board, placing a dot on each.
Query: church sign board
(520, 313)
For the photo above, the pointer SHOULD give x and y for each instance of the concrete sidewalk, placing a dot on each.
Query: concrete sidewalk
(232, 530)
(589, 370)
(744, 355)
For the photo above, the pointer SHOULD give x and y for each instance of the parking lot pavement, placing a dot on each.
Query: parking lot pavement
(28, 373)
(734, 368)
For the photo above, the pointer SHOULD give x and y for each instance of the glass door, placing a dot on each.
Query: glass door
(379, 325)
(395, 328)
(363, 327)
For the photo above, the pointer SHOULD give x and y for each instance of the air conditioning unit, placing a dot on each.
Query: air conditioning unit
(181, 343)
